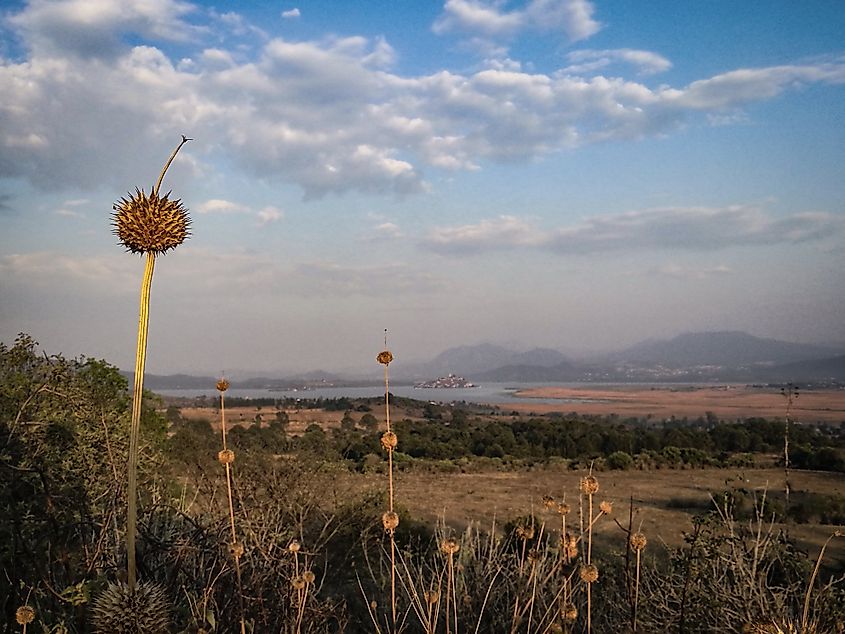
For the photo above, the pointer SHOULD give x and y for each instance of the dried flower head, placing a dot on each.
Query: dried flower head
(390, 521)
(467, 601)
(294, 547)
(589, 573)
(589, 485)
(533, 555)
(638, 541)
(449, 546)
(150, 224)
(555, 628)
(384, 357)
(548, 502)
(525, 532)
(222, 385)
(569, 613)
(227, 456)
(24, 614)
(569, 545)
(236, 549)
(119, 609)
(432, 596)
(606, 507)
(563, 508)
(308, 576)
(389, 441)
(298, 583)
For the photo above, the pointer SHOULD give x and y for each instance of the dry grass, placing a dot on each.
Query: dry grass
(725, 401)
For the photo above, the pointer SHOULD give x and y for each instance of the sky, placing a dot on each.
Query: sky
(537, 173)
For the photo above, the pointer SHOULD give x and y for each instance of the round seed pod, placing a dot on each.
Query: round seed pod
(606, 507)
(117, 610)
(555, 628)
(589, 573)
(563, 508)
(533, 555)
(638, 541)
(24, 614)
(389, 441)
(294, 547)
(525, 532)
(384, 357)
(548, 502)
(149, 223)
(431, 596)
(236, 550)
(390, 521)
(227, 456)
(569, 613)
(308, 577)
(449, 546)
(298, 583)
(222, 385)
(589, 485)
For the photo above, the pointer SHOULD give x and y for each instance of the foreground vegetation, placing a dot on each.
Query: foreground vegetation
(305, 555)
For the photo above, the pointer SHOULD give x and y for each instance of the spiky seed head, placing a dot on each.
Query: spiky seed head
(449, 546)
(606, 507)
(227, 456)
(117, 610)
(297, 582)
(384, 357)
(563, 508)
(569, 613)
(389, 441)
(432, 596)
(294, 547)
(548, 502)
(589, 485)
(308, 576)
(24, 614)
(638, 541)
(533, 555)
(236, 549)
(149, 223)
(555, 628)
(390, 521)
(222, 385)
(589, 573)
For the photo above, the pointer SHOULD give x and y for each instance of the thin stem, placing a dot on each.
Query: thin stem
(135, 425)
(167, 165)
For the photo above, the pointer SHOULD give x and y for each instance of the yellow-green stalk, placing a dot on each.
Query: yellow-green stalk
(149, 225)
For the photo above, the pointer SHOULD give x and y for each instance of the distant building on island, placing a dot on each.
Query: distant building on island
(448, 381)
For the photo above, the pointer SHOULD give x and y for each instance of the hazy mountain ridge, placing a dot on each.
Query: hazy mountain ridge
(690, 357)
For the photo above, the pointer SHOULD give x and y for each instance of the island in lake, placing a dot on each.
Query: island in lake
(448, 381)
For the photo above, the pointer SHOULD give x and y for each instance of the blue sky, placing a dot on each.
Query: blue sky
(561, 173)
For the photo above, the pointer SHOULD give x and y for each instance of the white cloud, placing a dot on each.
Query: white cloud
(573, 18)
(687, 228)
(220, 206)
(269, 215)
(387, 230)
(291, 14)
(588, 61)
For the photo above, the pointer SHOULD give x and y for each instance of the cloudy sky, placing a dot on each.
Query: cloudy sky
(563, 173)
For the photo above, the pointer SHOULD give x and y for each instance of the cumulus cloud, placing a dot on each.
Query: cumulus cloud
(329, 115)
(691, 228)
(291, 14)
(572, 18)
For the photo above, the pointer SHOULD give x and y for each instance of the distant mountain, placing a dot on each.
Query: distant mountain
(533, 373)
(818, 370)
(173, 381)
(470, 361)
(726, 348)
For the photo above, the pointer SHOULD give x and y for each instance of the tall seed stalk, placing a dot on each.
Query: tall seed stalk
(390, 519)
(226, 458)
(149, 225)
